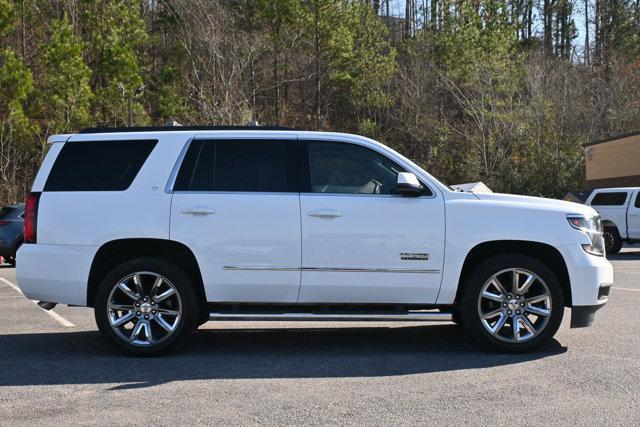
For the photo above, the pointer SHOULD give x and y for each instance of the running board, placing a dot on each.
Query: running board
(416, 316)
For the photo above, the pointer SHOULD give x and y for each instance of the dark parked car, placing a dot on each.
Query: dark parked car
(11, 231)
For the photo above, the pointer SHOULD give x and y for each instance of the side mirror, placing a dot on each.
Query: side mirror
(408, 185)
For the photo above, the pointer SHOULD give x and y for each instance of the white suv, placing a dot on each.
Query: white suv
(163, 229)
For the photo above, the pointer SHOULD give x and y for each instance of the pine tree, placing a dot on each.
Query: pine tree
(7, 16)
(65, 91)
(280, 18)
(116, 35)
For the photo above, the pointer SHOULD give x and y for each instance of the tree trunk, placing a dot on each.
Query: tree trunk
(23, 32)
(596, 29)
(434, 13)
(317, 67)
(548, 22)
(407, 18)
(529, 17)
(586, 31)
(276, 82)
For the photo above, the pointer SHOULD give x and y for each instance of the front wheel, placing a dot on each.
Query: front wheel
(612, 240)
(512, 303)
(146, 307)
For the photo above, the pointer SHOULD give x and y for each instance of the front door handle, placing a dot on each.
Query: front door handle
(325, 213)
(198, 211)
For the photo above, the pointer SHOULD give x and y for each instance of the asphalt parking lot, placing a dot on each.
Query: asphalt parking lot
(56, 369)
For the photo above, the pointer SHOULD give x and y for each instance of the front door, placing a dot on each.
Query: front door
(361, 243)
(633, 216)
(236, 205)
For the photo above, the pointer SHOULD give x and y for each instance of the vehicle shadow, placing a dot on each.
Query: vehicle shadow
(625, 256)
(84, 358)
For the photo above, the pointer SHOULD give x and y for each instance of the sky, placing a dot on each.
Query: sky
(397, 8)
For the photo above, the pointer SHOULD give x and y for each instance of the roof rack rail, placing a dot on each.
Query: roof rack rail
(178, 128)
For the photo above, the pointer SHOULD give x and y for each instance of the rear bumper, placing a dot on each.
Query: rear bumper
(591, 277)
(55, 273)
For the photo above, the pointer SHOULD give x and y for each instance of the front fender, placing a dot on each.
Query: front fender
(472, 222)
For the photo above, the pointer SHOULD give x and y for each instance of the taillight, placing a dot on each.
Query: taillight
(31, 218)
(4, 223)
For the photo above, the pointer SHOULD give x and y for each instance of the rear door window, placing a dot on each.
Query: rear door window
(609, 199)
(98, 165)
(240, 166)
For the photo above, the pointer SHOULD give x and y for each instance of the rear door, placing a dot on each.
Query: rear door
(361, 243)
(236, 205)
(633, 218)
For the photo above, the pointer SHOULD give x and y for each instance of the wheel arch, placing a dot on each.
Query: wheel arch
(115, 252)
(543, 252)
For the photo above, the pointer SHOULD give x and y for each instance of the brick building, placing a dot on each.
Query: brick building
(613, 162)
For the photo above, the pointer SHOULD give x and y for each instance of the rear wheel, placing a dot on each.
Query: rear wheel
(146, 307)
(11, 261)
(512, 303)
(612, 240)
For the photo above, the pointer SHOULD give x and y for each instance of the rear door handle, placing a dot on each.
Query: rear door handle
(198, 211)
(325, 213)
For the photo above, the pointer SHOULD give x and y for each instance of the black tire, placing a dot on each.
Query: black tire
(470, 303)
(12, 260)
(612, 240)
(185, 325)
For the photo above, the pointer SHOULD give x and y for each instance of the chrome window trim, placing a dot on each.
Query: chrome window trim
(391, 196)
(176, 167)
(250, 193)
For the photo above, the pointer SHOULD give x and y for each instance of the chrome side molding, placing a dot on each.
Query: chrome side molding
(332, 269)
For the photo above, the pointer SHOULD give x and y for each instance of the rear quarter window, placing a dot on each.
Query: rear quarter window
(98, 165)
(609, 199)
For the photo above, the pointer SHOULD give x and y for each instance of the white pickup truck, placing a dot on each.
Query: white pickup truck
(163, 229)
(619, 209)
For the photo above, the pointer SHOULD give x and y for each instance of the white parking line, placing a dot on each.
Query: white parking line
(61, 320)
(15, 288)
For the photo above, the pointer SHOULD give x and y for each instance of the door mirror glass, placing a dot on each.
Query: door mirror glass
(408, 185)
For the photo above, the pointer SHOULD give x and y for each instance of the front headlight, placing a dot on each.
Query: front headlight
(592, 227)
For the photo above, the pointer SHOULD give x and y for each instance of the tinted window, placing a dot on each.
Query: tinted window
(98, 165)
(336, 167)
(609, 199)
(637, 204)
(196, 172)
(240, 165)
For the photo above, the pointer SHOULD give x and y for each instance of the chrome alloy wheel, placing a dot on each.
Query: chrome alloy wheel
(144, 308)
(514, 305)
